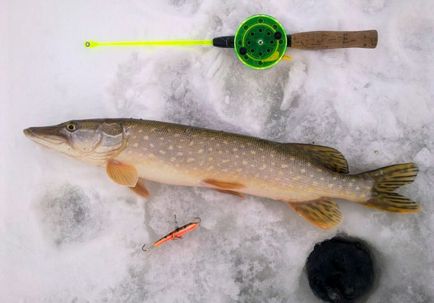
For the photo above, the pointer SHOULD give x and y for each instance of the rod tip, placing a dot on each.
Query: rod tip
(90, 44)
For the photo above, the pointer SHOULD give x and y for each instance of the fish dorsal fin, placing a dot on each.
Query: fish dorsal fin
(322, 213)
(326, 156)
(121, 173)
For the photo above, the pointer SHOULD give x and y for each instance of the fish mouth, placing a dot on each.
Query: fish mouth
(47, 135)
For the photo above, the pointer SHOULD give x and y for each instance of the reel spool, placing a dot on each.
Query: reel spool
(260, 42)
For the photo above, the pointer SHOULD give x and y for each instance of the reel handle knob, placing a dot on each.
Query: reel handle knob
(333, 39)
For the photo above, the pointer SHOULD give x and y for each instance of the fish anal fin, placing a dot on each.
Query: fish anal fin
(140, 188)
(322, 213)
(222, 184)
(231, 192)
(325, 156)
(123, 174)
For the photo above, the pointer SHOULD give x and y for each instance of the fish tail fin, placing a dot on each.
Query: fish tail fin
(387, 180)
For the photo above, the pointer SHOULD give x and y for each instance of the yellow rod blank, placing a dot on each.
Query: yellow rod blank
(91, 44)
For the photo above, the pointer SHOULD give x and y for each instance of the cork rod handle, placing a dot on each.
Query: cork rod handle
(330, 39)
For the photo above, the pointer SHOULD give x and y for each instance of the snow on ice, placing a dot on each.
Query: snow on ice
(69, 235)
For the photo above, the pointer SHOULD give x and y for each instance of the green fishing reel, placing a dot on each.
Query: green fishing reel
(260, 41)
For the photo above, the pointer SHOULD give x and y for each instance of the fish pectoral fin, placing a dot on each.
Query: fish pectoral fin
(123, 174)
(140, 188)
(231, 192)
(322, 213)
(325, 156)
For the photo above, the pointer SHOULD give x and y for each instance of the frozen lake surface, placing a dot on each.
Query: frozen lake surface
(68, 234)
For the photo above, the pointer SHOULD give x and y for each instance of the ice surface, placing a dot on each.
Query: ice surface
(69, 235)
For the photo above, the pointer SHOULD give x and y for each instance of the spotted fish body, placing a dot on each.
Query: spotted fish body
(307, 177)
(180, 155)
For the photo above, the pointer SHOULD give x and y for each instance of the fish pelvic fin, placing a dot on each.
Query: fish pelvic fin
(231, 192)
(388, 179)
(322, 213)
(223, 184)
(225, 187)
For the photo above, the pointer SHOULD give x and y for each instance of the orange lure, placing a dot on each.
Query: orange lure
(176, 234)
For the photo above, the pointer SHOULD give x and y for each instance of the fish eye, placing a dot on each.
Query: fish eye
(71, 127)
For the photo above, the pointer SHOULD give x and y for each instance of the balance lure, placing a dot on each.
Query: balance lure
(178, 233)
(309, 178)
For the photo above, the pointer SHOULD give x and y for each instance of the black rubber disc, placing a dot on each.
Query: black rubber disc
(340, 270)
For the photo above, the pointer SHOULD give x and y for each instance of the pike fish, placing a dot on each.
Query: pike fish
(309, 178)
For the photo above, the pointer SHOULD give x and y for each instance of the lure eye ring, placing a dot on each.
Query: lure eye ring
(145, 248)
(71, 127)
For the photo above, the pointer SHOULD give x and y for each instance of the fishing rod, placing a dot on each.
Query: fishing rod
(261, 42)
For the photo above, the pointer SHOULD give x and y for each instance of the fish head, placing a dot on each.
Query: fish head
(88, 140)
